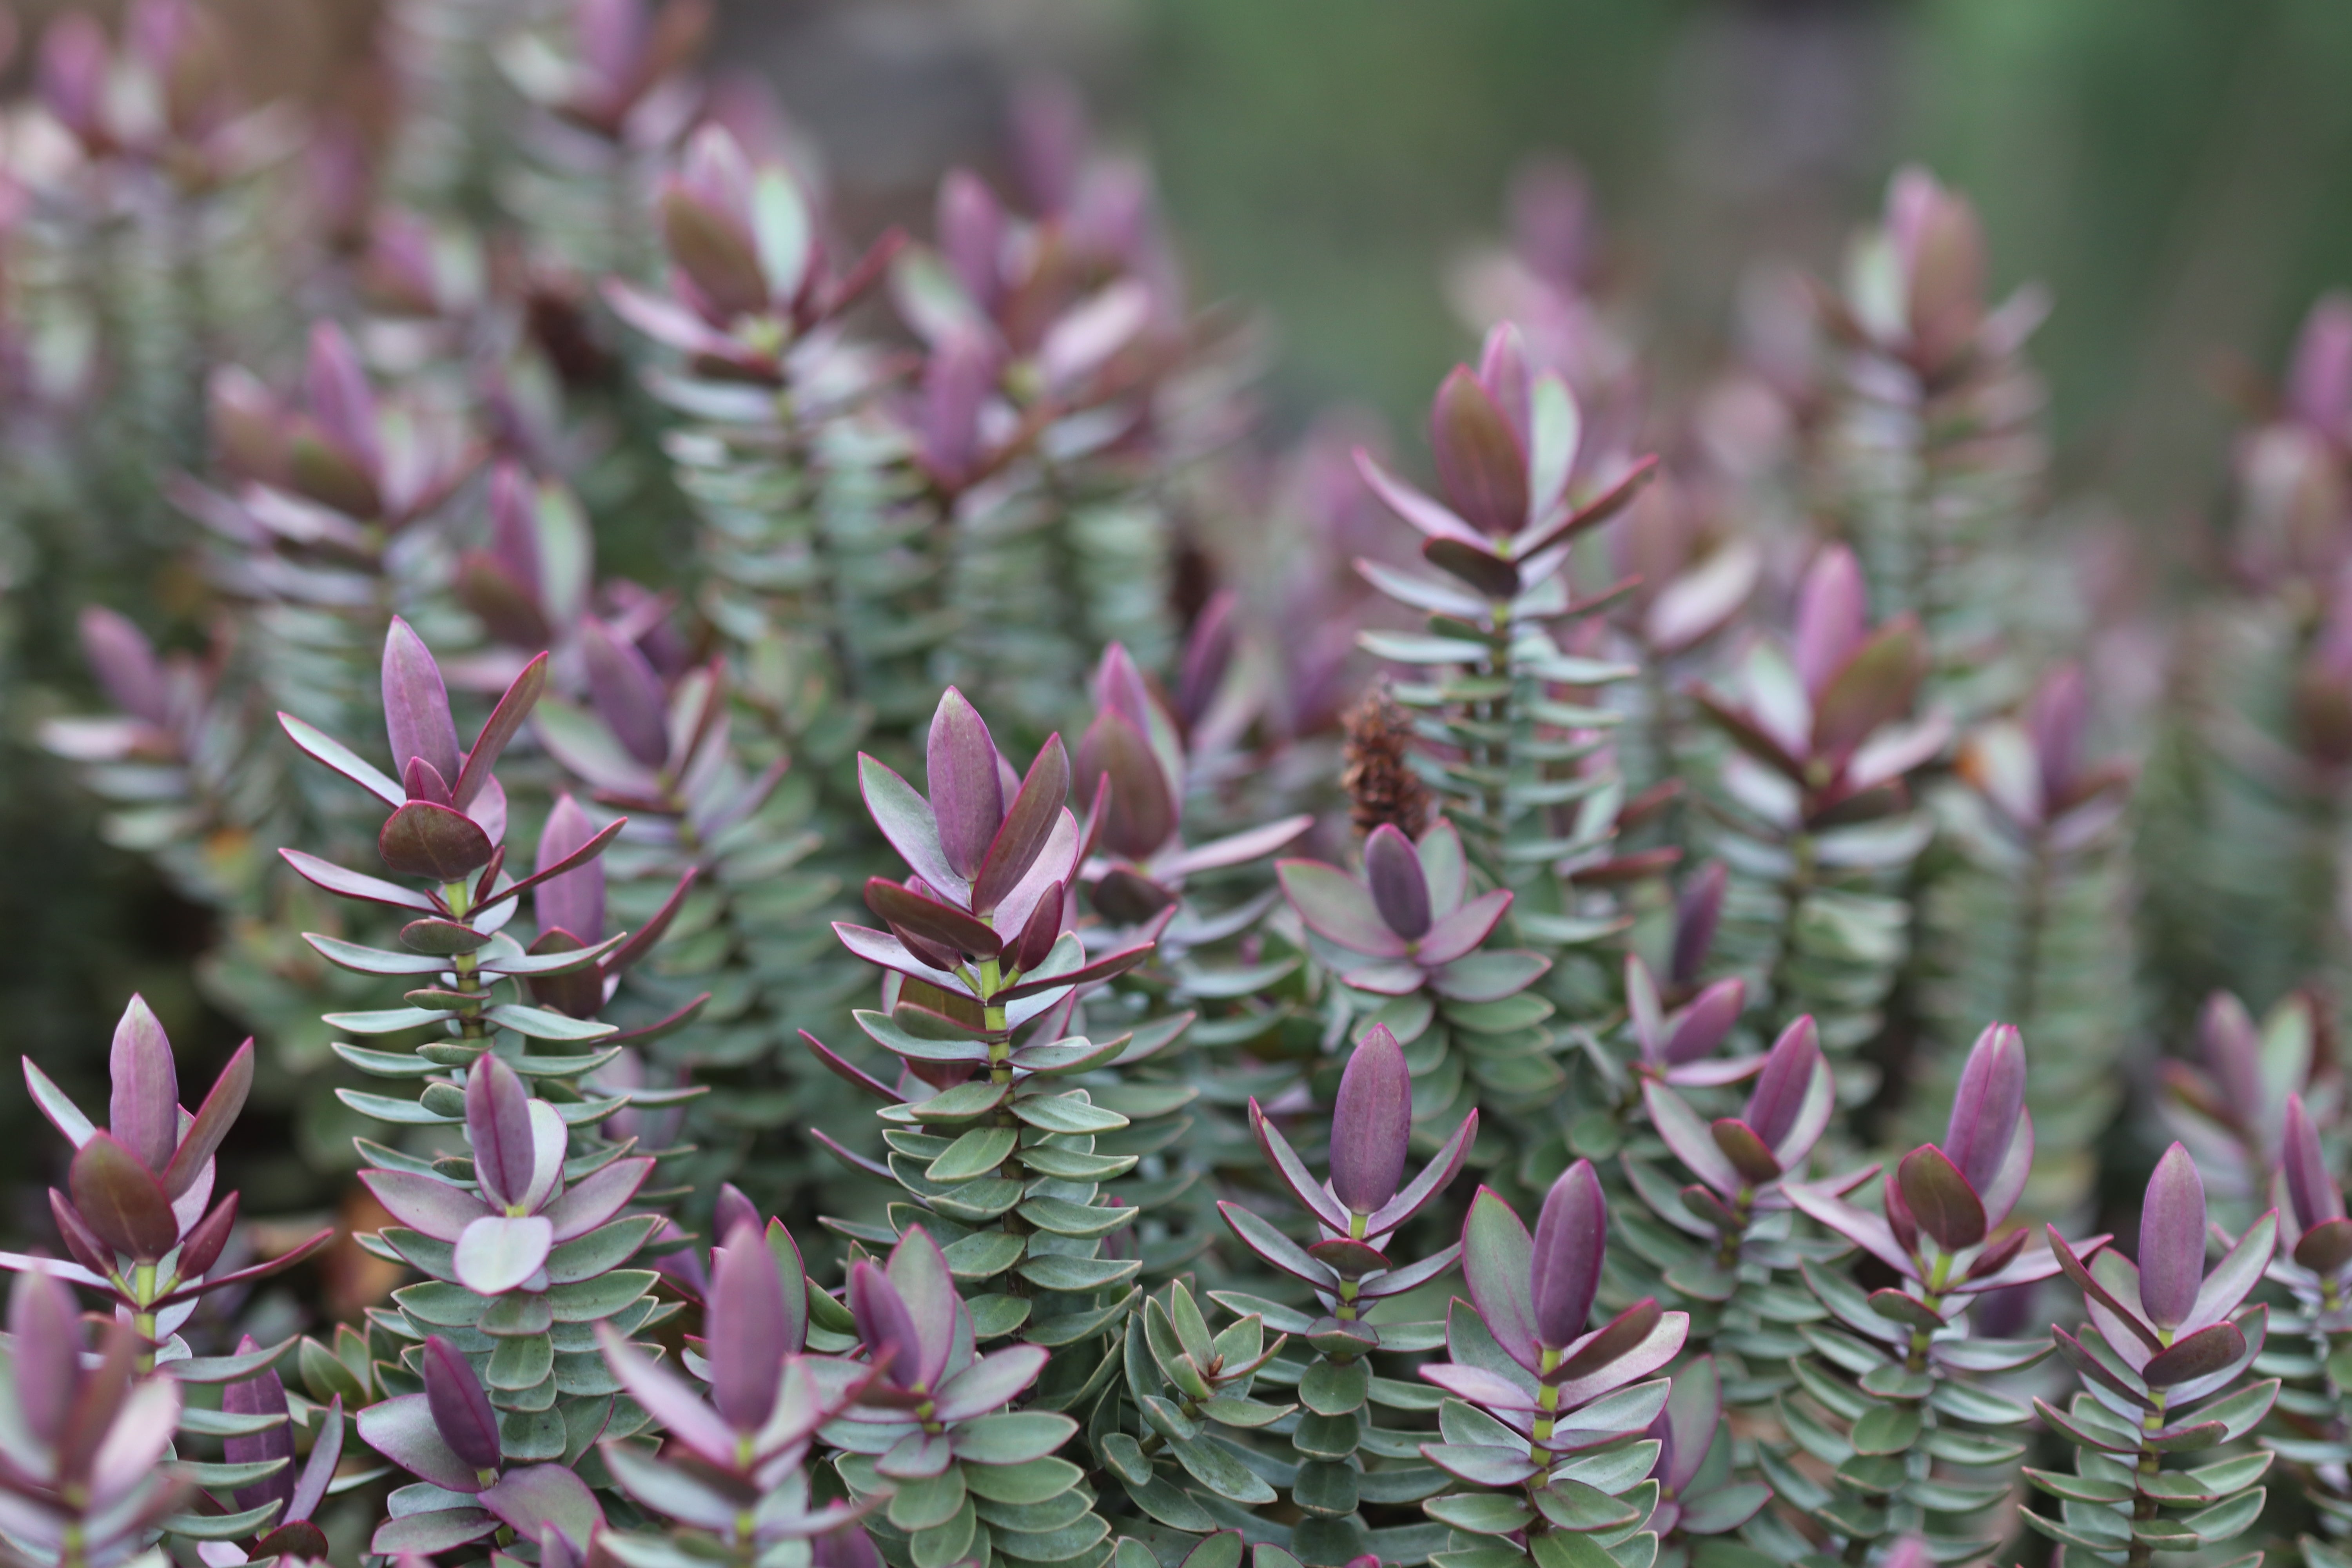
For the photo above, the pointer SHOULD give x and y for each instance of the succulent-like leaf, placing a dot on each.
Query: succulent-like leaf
(1372, 1121)
(1940, 1198)
(1498, 1264)
(416, 704)
(1481, 462)
(145, 1112)
(120, 1200)
(2172, 1239)
(433, 842)
(1027, 831)
(461, 1409)
(1571, 1240)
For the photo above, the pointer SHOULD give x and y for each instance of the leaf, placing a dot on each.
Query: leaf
(120, 1200)
(1336, 906)
(322, 747)
(356, 885)
(1014, 1438)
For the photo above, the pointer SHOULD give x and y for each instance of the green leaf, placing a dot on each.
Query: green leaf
(1335, 1388)
(1214, 1466)
(1030, 1482)
(1887, 1429)
(1066, 1113)
(1567, 1549)
(1480, 1513)
(220, 1526)
(978, 1152)
(1016, 1437)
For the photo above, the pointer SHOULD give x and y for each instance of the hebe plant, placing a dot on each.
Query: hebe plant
(887, 1134)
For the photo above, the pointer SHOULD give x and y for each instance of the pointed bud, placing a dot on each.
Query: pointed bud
(263, 1395)
(1371, 1122)
(2232, 1052)
(1142, 813)
(745, 1332)
(1208, 655)
(1043, 928)
(971, 227)
(733, 1208)
(125, 664)
(461, 1411)
(705, 211)
(1985, 1109)
(957, 379)
(2055, 718)
(1780, 1087)
(1049, 141)
(883, 1325)
(1399, 888)
(1503, 371)
(570, 900)
(45, 1331)
(1831, 617)
(2319, 386)
(497, 1125)
(1572, 1235)
(1482, 466)
(341, 402)
(1939, 245)
(145, 1110)
(514, 525)
(967, 792)
(2311, 1189)
(1696, 913)
(627, 694)
(2172, 1239)
(416, 704)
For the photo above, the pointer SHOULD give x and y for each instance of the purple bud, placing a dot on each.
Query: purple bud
(732, 1209)
(2055, 718)
(2172, 1240)
(125, 664)
(1696, 912)
(340, 400)
(1780, 1087)
(967, 792)
(1571, 1235)
(1482, 466)
(1831, 617)
(498, 1124)
(73, 71)
(1370, 1122)
(572, 901)
(1503, 371)
(956, 378)
(847, 1547)
(261, 1395)
(1143, 810)
(971, 226)
(1985, 1109)
(746, 1333)
(145, 1112)
(1700, 1027)
(45, 1326)
(1552, 219)
(2232, 1052)
(1208, 653)
(416, 704)
(883, 1325)
(627, 694)
(514, 525)
(1400, 890)
(2311, 1189)
(2319, 386)
(461, 1411)
(1049, 139)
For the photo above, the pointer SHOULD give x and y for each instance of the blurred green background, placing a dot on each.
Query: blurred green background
(2177, 171)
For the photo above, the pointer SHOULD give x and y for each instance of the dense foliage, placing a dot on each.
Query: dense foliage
(1011, 994)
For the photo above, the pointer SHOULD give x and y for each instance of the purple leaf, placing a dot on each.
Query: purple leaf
(262, 1395)
(1372, 1119)
(573, 900)
(339, 397)
(2311, 1189)
(1292, 1171)
(1400, 892)
(668, 1399)
(1696, 912)
(1864, 1229)
(497, 1252)
(1985, 1107)
(427, 1204)
(1335, 906)
(144, 1113)
(1102, 968)
(1662, 1338)
(1698, 1029)
(1871, 689)
(416, 704)
(919, 1272)
(1275, 1247)
(1498, 1264)
(211, 1123)
(532, 1499)
(355, 884)
(1748, 1153)
(1142, 813)
(967, 796)
(882, 948)
(745, 1329)
(627, 693)
(990, 1383)
(124, 662)
(597, 1197)
(1415, 508)
(1572, 1238)
(1481, 463)
(1832, 617)
(905, 818)
(1940, 1198)
(1690, 1139)
(1028, 828)
(461, 1411)
(319, 1471)
(1780, 1089)
(1686, 1427)
(885, 1327)
(120, 1199)
(497, 1125)
(2232, 1051)
(45, 1328)
(2238, 1272)
(2199, 1354)
(580, 856)
(1431, 1181)
(433, 842)
(941, 925)
(2098, 1295)
(2172, 1240)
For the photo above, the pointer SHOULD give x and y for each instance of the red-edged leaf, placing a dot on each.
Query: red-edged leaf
(213, 1120)
(120, 1199)
(521, 695)
(1028, 823)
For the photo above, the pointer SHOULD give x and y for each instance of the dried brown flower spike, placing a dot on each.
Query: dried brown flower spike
(1382, 788)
